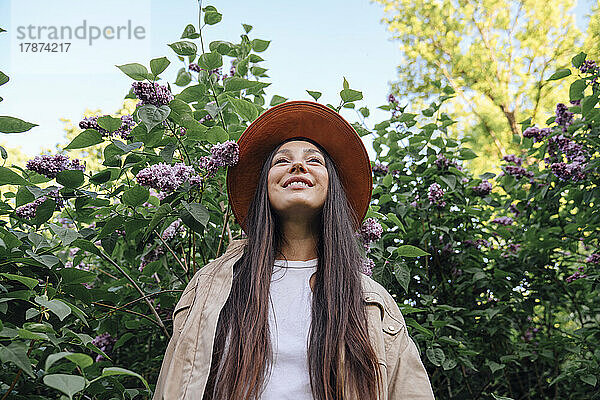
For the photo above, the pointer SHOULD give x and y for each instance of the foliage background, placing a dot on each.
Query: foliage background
(498, 281)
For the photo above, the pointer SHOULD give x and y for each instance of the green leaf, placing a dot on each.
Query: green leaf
(134, 70)
(350, 95)
(136, 196)
(70, 178)
(466, 154)
(82, 360)
(189, 32)
(109, 123)
(436, 356)
(158, 65)
(110, 371)
(494, 366)
(247, 28)
(235, 84)
(561, 73)
(244, 109)
(210, 61)
(16, 353)
(184, 48)
(183, 77)
(212, 17)
(29, 282)
(220, 47)
(588, 104)
(3, 78)
(56, 306)
(9, 177)
(47, 259)
(14, 125)
(277, 100)
(68, 384)
(345, 84)
(578, 60)
(589, 379)
(87, 246)
(314, 95)
(87, 138)
(408, 250)
(402, 274)
(576, 90)
(214, 133)
(44, 212)
(151, 115)
(449, 180)
(101, 177)
(194, 215)
(73, 276)
(66, 235)
(259, 45)
(194, 93)
(162, 211)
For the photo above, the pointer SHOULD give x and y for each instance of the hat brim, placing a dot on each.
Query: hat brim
(307, 119)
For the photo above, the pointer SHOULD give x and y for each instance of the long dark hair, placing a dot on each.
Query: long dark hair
(340, 354)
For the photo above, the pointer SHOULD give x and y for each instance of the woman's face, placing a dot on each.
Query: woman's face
(298, 159)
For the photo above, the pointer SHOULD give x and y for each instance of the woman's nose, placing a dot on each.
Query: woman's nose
(298, 164)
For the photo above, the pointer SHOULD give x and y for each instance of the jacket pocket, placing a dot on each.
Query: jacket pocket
(390, 324)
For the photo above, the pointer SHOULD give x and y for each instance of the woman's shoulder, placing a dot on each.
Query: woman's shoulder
(374, 292)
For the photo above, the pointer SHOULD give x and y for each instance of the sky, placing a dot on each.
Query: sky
(314, 44)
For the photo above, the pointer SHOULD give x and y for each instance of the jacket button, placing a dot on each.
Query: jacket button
(392, 328)
(368, 298)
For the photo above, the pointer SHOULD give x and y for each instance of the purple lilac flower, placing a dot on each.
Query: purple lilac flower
(514, 210)
(483, 189)
(575, 102)
(435, 194)
(503, 221)
(512, 249)
(588, 66)
(477, 243)
(568, 172)
(207, 117)
(171, 230)
(65, 222)
(564, 117)
(593, 258)
(104, 342)
(50, 166)
(225, 154)
(194, 67)
(367, 267)
(27, 211)
(152, 255)
(127, 124)
(380, 169)
(370, 231)
(443, 163)
(152, 93)
(164, 177)
(392, 99)
(513, 158)
(517, 171)
(576, 275)
(536, 133)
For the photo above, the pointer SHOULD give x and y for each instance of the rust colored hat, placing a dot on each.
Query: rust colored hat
(302, 119)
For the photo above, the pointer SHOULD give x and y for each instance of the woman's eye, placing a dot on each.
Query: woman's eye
(312, 159)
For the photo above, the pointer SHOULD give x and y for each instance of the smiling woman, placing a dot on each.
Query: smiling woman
(285, 313)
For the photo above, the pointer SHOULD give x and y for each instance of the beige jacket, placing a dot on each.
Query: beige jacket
(186, 364)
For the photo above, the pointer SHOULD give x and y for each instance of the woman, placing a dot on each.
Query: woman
(285, 313)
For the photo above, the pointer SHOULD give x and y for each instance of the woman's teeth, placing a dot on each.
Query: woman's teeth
(301, 184)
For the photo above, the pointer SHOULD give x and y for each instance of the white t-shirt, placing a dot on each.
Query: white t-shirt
(289, 322)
